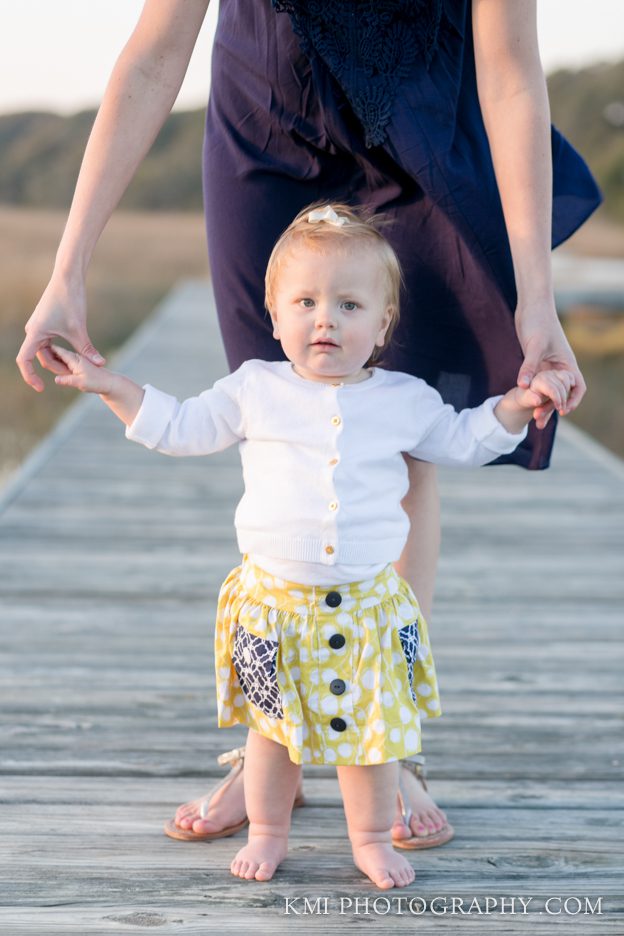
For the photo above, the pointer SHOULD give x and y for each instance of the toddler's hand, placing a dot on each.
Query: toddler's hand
(547, 386)
(83, 375)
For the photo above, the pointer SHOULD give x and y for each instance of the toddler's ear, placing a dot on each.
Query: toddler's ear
(276, 333)
(385, 323)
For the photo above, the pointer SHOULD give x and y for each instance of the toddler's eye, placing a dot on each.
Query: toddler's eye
(349, 306)
(307, 303)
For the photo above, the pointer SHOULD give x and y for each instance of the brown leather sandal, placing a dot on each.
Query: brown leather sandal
(236, 759)
(416, 766)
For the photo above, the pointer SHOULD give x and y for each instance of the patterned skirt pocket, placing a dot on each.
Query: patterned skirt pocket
(255, 662)
(410, 642)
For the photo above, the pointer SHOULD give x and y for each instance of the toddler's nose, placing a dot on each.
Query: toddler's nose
(325, 317)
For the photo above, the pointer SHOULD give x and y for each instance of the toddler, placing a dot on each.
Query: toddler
(321, 648)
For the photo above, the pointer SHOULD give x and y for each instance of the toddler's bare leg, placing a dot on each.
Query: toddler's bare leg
(222, 809)
(369, 795)
(270, 784)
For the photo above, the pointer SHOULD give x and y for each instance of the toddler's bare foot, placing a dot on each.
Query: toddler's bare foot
(385, 868)
(260, 857)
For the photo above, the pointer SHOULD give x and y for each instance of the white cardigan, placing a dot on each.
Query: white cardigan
(322, 464)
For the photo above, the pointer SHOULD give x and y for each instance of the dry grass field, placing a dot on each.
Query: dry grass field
(139, 258)
(598, 341)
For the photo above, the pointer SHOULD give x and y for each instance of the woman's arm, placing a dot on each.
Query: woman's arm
(514, 103)
(140, 94)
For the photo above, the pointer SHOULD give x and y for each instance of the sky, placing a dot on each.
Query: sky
(57, 54)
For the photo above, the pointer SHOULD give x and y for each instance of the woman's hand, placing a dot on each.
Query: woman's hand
(545, 348)
(60, 313)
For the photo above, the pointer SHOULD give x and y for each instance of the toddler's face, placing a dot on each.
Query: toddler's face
(331, 310)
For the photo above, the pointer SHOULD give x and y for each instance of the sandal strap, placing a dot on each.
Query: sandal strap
(406, 812)
(416, 765)
(234, 759)
(231, 757)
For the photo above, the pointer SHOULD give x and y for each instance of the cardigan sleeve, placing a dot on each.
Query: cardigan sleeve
(200, 425)
(469, 438)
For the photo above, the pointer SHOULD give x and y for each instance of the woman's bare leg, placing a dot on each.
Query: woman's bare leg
(368, 794)
(222, 809)
(417, 565)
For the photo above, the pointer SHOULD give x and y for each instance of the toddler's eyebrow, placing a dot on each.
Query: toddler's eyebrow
(352, 294)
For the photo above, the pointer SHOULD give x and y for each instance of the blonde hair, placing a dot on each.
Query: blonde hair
(341, 225)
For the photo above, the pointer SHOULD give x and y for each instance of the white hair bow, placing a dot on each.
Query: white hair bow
(326, 214)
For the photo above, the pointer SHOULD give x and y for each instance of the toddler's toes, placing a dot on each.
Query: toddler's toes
(251, 870)
(404, 876)
(260, 857)
(382, 878)
(385, 868)
(266, 871)
(242, 869)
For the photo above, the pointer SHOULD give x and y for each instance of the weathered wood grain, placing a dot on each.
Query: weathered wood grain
(111, 559)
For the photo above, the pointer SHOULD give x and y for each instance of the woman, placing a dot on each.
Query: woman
(434, 111)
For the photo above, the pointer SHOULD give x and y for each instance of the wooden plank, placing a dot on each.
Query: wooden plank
(110, 563)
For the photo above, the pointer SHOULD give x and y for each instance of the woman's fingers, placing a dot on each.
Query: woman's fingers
(24, 361)
(38, 345)
(92, 354)
(529, 368)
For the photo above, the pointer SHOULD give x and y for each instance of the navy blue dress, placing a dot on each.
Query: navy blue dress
(373, 103)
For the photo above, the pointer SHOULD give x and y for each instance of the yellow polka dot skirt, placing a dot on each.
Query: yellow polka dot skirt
(338, 675)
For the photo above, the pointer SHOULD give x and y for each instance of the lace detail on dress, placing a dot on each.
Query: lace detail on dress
(369, 46)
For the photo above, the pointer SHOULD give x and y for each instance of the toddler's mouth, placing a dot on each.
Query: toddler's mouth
(325, 343)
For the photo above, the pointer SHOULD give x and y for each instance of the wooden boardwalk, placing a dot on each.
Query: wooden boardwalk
(594, 281)
(110, 562)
